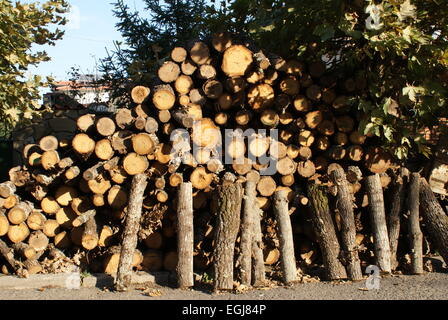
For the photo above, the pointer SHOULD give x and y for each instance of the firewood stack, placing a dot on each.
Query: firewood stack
(74, 194)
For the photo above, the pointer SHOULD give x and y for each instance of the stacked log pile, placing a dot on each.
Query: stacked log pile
(73, 195)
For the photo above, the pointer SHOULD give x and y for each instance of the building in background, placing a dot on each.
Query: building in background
(82, 93)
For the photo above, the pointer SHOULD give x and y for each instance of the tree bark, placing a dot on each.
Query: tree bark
(435, 219)
(345, 208)
(378, 222)
(288, 260)
(325, 232)
(228, 206)
(397, 198)
(185, 242)
(132, 224)
(245, 258)
(415, 233)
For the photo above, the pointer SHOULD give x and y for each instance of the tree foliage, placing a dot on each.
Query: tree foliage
(148, 36)
(400, 46)
(22, 26)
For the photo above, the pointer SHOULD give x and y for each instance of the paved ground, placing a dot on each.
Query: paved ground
(428, 286)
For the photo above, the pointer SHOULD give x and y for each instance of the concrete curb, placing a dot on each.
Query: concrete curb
(74, 281)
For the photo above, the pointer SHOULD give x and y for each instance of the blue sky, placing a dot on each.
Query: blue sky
(90, 30)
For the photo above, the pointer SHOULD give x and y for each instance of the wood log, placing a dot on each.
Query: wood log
(306, 169)
(396, 210)
(236, 60)
(415, 233)
(51, 228)
(143, 144)
(206, 72)
(83, 218)
(325, 232)
(188, 67)
(124, 118)
(48, 143)
(65, 163)
(20, 212)
(169, 72)
(345, 207)
(25, 251)
(135, 164)
(106, 236)
(72, 173)
(286, 166)
(105, 126)
(266, 186)
(378, 222)
(112, 259)
(206, 133)
(64, 194)
(86, 122)
(288, 260)
(139, 94)
(245, 255)
(129, 242)
(355, 153)
(104, 150)
(185, 242)
(36, 220)
(199, 52)
(4, 224)
(62, 240)
(49, 159)
(228, 208)
(83, 145)
(179, 54)
(435, 219)
(90, 235)
(8, 255)
(261, 96)
(213, 89)
(164, 116)
(270, 118)
(200, 178)
(65, 217)
(164, 97)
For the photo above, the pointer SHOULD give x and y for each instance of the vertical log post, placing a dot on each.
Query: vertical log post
(288, 260)
(378, 222)
(415, 234)
(325, 231)
(345, 207)
(393, 222)
(245, 258)
(228, 206)
(258, 270)
(435, 219)
(185, 243)
(131, 228)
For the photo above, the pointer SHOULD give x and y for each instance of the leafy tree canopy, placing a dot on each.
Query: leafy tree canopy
(398, 46)
(23, 25)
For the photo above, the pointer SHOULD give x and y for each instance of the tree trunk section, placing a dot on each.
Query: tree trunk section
(397, 198)
(288, 260)
(435, 219)
(378, 222)
(185, 242)
(132, 224)
(228, 206)
(415, 233)
(245, 258)
(345, 208)
(325, 232)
